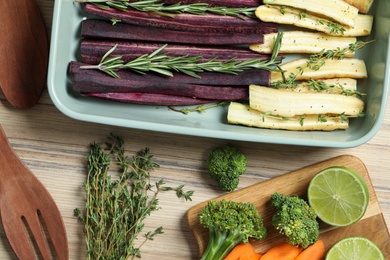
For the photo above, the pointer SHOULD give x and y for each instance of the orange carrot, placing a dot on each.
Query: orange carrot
(255, 256)
(283, 251)
(241, 250)
(315, 251)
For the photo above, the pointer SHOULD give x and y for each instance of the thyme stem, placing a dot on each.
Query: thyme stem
(200, 109)
(158, 7)
(316, 61)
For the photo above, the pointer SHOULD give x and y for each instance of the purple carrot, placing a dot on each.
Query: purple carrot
(102, 83)
(92, 50)
(209, 23)
(150, 99)
(227, 3)
(245, 78)
(92, 28)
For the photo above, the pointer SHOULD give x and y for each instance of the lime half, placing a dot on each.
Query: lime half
(355, 248)
(338, 195)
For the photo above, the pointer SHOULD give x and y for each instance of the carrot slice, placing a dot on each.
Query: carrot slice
(283, 251)
(241, 250)
(315, 251)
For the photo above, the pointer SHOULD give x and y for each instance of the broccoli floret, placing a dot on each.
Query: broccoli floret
(229, 223)
(226, 163)
(295, 219)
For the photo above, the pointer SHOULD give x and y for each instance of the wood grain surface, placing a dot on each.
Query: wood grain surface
(55, 146)
(371, 226)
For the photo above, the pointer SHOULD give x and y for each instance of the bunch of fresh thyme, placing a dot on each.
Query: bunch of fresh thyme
(158, 7)
(190, 65)
(115, 209)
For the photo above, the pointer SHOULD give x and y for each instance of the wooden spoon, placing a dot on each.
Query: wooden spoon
(31, 219)
(24, 52)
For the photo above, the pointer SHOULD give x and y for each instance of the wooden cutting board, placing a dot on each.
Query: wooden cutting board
(371, 226)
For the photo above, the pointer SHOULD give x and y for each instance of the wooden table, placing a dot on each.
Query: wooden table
(54, 147)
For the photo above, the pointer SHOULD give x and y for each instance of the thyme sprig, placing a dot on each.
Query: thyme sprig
(116, 206)
(321, 86)
(190, 65)
(158, 7)
(199, 109)
(321, 118)
(338, 53)
(316, 61)
(334, 28)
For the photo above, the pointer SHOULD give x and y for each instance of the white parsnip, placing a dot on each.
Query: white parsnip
(336, 10)
(296, 17)
(303, 42)
(336, 86)
(285, 103)
(346, 83)
(363, 5)
(363, 26)
(241, 114)
(314, 93)
(331, 68)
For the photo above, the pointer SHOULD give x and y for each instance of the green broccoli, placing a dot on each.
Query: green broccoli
(229, 223)
(226, 163)
(295, 219)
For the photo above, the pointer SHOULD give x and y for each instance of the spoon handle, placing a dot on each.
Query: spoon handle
(8, 158)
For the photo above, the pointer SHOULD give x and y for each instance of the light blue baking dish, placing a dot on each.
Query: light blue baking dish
(65, 42)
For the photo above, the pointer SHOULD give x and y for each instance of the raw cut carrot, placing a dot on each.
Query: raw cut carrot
(255, 256)
(283, 251)
(243, 252)
(315, 251)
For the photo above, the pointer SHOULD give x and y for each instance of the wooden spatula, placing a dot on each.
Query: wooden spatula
(31, 219)
(24, 52)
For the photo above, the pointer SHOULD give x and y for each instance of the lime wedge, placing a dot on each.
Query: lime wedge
(354, 248)
(338, 195)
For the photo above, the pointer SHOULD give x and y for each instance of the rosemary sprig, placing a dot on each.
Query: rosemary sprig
(190, 65)
(115, 209)
(158, 7)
